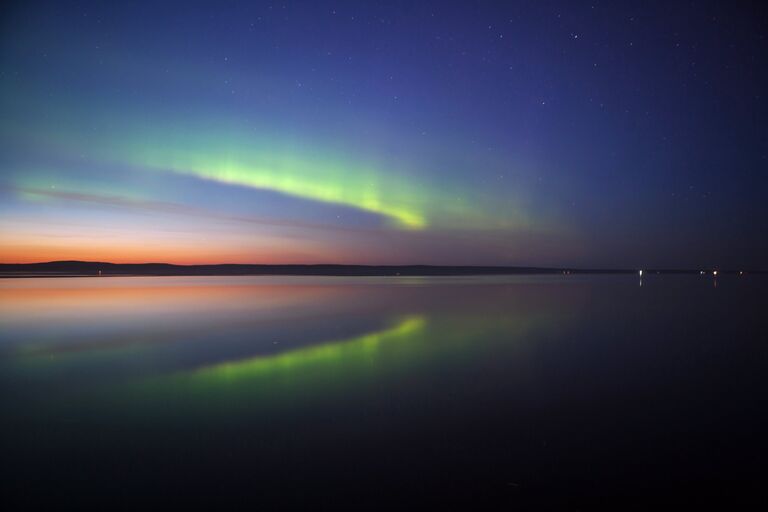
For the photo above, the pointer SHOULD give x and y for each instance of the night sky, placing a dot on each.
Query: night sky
(610, 134)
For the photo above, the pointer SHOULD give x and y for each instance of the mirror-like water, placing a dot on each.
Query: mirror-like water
(564, 391)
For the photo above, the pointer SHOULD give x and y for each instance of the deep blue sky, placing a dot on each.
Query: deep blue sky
(535, 133)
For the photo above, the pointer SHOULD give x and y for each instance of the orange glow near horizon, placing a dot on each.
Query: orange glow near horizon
(172, 255)
(124, 252)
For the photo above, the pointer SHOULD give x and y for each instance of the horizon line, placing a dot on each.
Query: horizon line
(406, 265)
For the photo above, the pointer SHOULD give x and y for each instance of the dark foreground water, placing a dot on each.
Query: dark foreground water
(556, 392)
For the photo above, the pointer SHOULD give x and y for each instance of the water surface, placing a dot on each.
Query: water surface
(537, 390)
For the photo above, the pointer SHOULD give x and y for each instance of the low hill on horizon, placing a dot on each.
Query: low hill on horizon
(96, 268)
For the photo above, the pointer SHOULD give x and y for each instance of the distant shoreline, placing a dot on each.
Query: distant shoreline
(96, 269)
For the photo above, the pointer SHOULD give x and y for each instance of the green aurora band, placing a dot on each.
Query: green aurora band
(255, 159)
(316, 181)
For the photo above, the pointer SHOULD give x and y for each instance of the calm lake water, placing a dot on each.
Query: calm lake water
(562, 392)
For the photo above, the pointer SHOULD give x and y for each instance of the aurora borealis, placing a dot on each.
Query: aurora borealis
(353, 132)
(367, 254)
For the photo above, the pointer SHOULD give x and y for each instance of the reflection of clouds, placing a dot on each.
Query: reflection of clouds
(216, 342)
(73, 322)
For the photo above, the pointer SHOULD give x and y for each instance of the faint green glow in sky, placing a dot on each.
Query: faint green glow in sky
(403, 194)
(235, 156)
